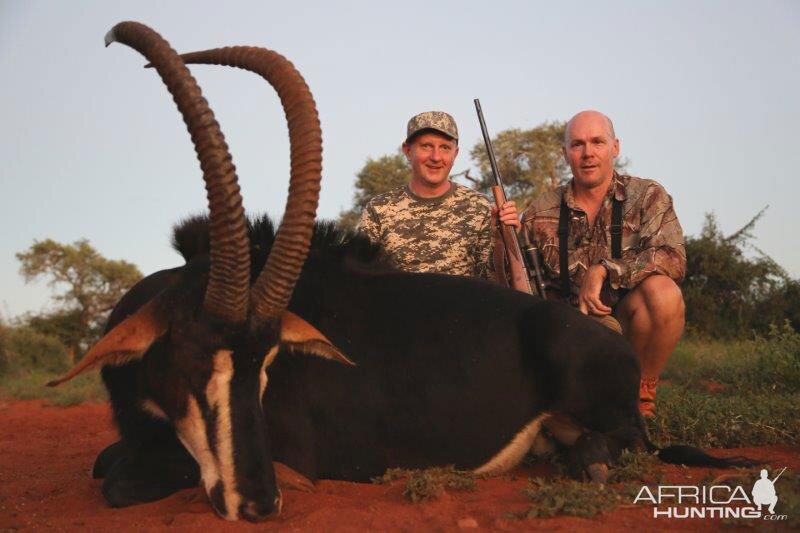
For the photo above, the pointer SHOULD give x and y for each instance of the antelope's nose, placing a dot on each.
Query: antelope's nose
(254, 511)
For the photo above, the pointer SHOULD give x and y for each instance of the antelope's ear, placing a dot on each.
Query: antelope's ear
(128, 340)
(299, 335)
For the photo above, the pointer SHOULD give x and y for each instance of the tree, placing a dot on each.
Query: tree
(93, 285)
(375, 177)
(529, 161)
(728, 294)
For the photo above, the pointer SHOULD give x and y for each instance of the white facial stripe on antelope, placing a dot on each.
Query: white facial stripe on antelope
(192, 432)
(218, 395)
(511, 455)
(216, 461)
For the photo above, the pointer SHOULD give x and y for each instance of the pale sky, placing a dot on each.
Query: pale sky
(703, 95)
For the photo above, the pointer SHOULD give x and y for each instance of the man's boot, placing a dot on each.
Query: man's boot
(647, 397)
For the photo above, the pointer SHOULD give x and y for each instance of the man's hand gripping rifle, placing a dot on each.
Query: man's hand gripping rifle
(519, 266)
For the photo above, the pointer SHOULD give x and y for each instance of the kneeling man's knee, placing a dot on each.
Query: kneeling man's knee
(663, 297)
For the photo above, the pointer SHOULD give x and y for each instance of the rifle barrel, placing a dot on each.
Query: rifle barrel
(488, 142)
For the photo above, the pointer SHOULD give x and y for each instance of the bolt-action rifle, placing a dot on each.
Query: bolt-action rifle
(520, 266)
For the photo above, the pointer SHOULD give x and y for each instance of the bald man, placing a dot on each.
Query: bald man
(638, 283)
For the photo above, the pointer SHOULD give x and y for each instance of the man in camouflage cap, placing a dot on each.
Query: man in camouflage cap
(640, 288)
(431, 224)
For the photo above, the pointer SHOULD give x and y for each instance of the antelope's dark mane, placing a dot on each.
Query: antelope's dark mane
(190, 238)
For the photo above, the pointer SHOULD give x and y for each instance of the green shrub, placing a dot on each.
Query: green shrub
(27, 349)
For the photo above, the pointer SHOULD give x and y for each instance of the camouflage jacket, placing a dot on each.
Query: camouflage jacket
(652, 239)
(449, 234)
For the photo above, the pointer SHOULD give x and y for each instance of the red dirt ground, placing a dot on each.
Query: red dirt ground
(46, 455)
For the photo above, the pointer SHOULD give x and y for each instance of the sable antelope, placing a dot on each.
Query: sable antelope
(186, 365)
(213, 379)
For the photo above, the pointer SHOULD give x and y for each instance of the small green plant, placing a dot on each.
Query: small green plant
(429, 483)
(642, 467)
(392, 474)
(571, 498)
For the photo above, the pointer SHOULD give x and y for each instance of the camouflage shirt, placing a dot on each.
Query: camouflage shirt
(652, 239)
(449, 234)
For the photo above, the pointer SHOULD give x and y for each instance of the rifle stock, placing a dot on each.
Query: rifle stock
(516, 263)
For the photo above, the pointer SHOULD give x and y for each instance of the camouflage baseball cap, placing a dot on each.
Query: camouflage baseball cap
(433, 120)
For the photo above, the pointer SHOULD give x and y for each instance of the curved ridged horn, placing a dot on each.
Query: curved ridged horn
(272, 290)
(229, 278)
